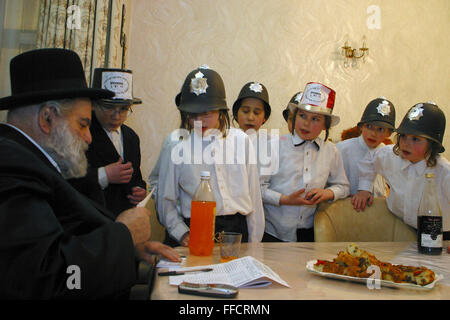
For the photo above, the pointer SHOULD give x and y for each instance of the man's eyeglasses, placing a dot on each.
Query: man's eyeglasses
(111, 109)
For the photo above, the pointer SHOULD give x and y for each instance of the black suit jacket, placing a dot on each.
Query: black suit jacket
(47, 226)
(102, 152)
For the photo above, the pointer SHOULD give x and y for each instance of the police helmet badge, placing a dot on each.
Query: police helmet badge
(199, 84)
(416, 112)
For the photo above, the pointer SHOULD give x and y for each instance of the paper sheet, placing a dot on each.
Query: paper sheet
(143, 203)
(163, 263)
(246, 272)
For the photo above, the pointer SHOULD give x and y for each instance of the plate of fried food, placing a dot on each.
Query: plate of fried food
(358, 265)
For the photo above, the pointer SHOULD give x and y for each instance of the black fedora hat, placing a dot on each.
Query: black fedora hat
(119, 81)
(48, 74)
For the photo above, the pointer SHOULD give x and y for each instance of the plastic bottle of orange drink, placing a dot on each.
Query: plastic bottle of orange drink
(203, 214)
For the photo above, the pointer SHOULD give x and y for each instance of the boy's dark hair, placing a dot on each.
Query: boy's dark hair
(430, 155)
(224, 121)
(327, 124)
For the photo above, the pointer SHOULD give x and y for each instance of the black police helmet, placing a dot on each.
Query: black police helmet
(381, 112)
(253, 90)
(202, 91)
(294, 100)
(426, 120)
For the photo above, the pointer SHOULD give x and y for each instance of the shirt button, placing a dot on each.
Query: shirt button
(306, 169)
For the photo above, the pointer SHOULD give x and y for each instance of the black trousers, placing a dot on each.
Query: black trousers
(229, 223)
(303, 235)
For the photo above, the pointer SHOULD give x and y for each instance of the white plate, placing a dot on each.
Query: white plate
(310, 268)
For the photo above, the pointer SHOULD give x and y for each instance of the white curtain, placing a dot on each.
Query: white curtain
(92, 28)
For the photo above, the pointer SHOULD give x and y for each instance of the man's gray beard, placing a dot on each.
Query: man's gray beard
(68, 151)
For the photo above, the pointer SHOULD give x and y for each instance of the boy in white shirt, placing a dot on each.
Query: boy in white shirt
(377, 124)
(234, 179)
(310, 169)
(419, 142)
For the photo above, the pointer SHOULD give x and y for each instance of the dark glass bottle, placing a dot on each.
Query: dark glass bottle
(429, 220)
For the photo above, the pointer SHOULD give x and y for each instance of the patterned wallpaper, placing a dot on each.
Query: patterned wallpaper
(284, 44)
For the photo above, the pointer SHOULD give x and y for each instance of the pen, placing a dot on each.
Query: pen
(179, 273)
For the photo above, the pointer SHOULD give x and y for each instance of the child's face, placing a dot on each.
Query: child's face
(309, 125)
(373, 135)
(251, 114)
(111, 117)
(209, 120)
(413, 148)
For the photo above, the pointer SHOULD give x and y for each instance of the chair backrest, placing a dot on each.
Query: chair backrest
(338, 221)
(158, 230)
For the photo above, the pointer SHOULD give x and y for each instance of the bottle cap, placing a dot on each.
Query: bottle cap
(204, 174)
(429, 175)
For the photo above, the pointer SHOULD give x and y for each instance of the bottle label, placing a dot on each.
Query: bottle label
(431, 232)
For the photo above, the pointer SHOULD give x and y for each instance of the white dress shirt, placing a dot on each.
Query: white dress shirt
(406, 181)
(235, 186)
(352, 150)
(311, 164)
(264, 149)
(116, 138)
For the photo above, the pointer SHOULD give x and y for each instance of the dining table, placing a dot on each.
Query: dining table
(289, 260)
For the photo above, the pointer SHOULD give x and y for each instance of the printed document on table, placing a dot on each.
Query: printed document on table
(246, 272)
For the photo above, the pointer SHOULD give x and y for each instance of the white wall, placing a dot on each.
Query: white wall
(284, 44)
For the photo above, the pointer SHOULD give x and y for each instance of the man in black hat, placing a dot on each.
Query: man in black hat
(54, 241)
(114, 155)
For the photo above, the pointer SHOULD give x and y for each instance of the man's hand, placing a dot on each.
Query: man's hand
(138, 194)
(295, 199)
(361, 199)
(145, 250)
(137, 221)
(119, 172)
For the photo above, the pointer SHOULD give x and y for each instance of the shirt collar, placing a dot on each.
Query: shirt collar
(363, 143)
(110, 132)
(418, 167)
(53, 162)
(297, 141)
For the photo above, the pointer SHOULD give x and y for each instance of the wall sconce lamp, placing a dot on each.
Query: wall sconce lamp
(349, 53)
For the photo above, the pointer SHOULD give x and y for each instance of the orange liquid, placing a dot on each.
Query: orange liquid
(201, 236)
(227, 259)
